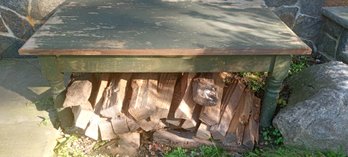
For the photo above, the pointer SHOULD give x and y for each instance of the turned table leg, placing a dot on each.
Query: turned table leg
(55, 77)
(278, 73)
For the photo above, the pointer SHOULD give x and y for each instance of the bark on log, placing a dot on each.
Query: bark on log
(210, 115)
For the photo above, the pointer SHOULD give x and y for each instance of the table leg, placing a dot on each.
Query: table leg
(278, 73)
(55, 78)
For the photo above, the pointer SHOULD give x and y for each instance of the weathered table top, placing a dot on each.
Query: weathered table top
(152, 27)
(337, 14)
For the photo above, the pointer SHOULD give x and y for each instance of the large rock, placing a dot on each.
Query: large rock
(278, 3)
(317, 114)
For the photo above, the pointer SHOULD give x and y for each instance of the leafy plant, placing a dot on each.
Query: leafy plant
(298, 64)
(203, 151)
(292, 152)
(272, 136)
(254, 80)
(178, 152)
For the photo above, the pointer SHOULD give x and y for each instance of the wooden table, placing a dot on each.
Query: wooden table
(154, 36)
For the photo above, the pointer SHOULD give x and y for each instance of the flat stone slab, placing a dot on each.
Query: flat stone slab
(337, 14)
(25, 111)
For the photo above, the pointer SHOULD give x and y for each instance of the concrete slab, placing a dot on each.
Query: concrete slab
(26, 112)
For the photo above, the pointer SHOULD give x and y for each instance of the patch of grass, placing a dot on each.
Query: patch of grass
(292, 152)
(272, 136)
(203, 151)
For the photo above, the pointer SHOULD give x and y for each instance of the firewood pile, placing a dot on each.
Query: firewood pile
(184, 110)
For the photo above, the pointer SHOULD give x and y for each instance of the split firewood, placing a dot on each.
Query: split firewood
(230, 100)
(203, 132)
(192, 123)
(174, 123)
(185, 108)
(204, 91)
(119, 124)
(142, 103)
(210, 115)
(114, 95)
(164, 94)
(234, 136)
(78, 93)
(132, 125)
(255, 120)
(98, 91)
(92, 130)
(82, 116)
(152, 124)
(106, 130)
(178, 139)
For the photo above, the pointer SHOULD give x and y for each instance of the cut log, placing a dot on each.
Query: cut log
(204, 91)
(178, 139)
(192, 123)
(210, 115)
(164, 95)
(234, 136)
(142, 104)
(82, 116)
(231, 98)
(92, 130)
(78, 93)
(186, 106)
(114, 95)
(119, 124)
(203, 132)
(106, 130)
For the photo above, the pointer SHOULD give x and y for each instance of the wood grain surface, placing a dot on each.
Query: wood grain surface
(156, 28)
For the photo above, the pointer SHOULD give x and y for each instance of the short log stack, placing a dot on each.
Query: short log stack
(181, 109)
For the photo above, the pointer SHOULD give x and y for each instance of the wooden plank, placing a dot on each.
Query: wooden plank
(106, 130)
(165, 32)
(78, 93)
(114, 95)
(211, 114)
(178, 139)
(142, 104)
(175, 64)
(230, 101)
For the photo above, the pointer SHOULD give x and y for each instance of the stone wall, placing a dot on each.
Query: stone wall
(302, 16)
(18, 21)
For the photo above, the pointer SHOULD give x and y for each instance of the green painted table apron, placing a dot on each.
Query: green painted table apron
(155, 36)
